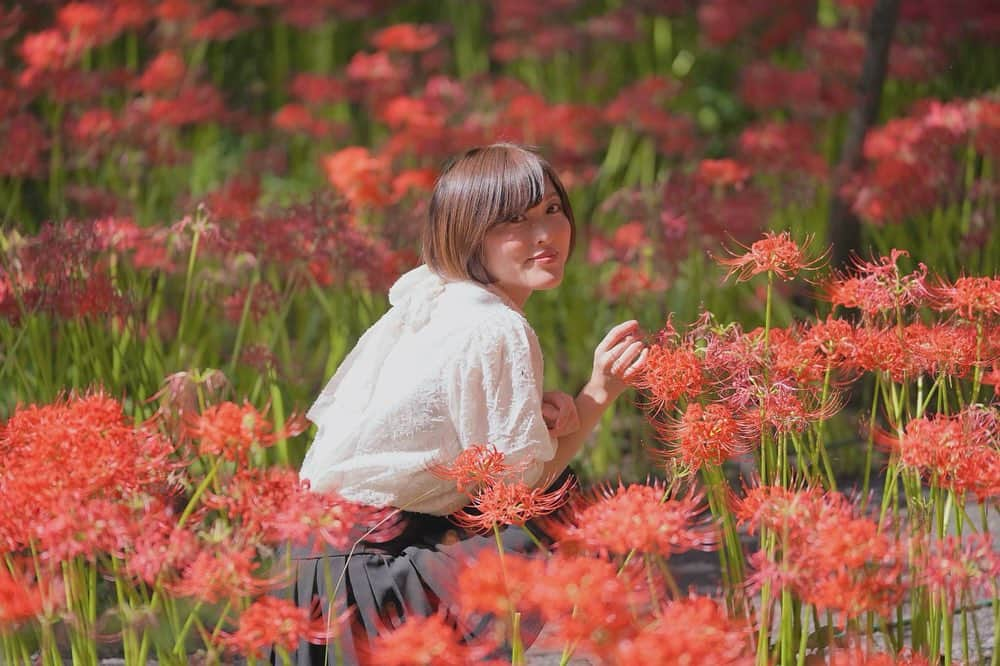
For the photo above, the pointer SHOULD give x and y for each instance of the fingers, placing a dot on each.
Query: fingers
(617, 334)
(636, 365)
(628, 355)
(550, 415)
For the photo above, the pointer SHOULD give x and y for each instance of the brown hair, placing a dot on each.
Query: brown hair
(483, 187)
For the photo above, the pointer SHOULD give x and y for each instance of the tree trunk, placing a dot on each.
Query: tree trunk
(844, 227)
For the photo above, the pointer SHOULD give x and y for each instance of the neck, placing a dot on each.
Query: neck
(515, 296)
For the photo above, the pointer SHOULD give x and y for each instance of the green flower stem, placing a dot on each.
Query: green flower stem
(182, 634)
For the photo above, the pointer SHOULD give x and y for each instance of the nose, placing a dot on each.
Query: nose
(543, 232)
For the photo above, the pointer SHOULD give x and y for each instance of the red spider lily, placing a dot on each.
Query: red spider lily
(709, 636)
(862, 656)
(270, 621)
(722, 173)
(376, 69)
(130, 14)
(788, 147)
(879, 287)
(883, 349)
(776, 506)
(160, 550)
(222, 571)
(359, 176)
(419, 180)
(192, 105)
(222, 25)
(774, 253)
(970, 297)
(624, 245)
(792, 355)
(274, 506)
(765, 86)
(634, 517)
(670, 374)
(476, 466)
(503, 503)
(298, 118)
(100, 454)
(773, 23)
(405, 37)
(24, 142)
(48, 50)
(648, 93)
(164, 74)
(426, 641)
(956, 566)
(704, 435)
(496, 584)
(317, 89)
(956, 452)
(713, 214)
(586, 602)
(627, 283)
(942, 348)
(21, 599)
(263, 301)
(834, 339)
(828, 557)
(84, 529)
(230, 430)
(177, 10)
(985, 117)
(786, 407)
(86, 23)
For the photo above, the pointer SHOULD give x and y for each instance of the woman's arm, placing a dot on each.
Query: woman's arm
(617, 358)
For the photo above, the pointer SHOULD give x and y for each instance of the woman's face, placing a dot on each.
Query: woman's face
(529, 252)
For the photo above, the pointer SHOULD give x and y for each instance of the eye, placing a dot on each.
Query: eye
(554, 208)
(516, 219)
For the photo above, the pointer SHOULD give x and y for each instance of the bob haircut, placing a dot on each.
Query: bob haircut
(475, 191)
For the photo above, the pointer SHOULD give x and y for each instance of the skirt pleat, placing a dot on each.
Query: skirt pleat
(384, 583)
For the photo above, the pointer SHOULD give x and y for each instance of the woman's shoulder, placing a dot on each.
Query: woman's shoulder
(477, 311)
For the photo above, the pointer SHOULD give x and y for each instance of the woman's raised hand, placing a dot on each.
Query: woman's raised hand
(618, 357)
(559, 413)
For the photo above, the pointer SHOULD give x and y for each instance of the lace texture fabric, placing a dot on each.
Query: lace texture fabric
(451, 364)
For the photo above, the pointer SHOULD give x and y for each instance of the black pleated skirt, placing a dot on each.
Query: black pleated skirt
(383, 583)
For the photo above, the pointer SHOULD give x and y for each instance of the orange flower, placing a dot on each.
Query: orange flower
(635, 517)
(722, 172)
(709, 636)
(704, 435)
(775, 253)
(230, 430)
(502, 503)
(362, 178)
(405, 37)
(476, 466)
(270, 621)
(426, 641)
(222, 24)
(669, 374)
(970, 297)
(47, 50)
(163, 74)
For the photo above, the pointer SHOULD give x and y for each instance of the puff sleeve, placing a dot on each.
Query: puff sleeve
(495, 393)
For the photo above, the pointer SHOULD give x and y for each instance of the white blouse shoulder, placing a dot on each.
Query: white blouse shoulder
(451, 364)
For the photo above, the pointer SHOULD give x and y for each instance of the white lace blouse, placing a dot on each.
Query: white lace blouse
(451, 364)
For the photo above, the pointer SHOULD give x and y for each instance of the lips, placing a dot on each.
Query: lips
(547, 254)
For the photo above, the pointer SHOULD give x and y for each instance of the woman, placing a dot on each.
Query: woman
(453, 363)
